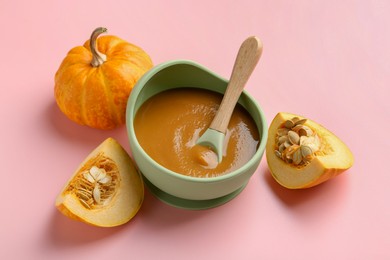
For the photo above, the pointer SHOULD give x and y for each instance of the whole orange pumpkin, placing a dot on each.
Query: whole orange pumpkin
(94, 81)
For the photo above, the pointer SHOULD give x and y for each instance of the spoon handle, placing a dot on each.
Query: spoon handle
(246, 61)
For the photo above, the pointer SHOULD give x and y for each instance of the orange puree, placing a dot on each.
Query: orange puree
(168, 125)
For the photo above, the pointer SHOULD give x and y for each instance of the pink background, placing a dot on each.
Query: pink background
(327, 60)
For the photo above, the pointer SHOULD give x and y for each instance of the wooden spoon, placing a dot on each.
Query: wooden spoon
(246, 61)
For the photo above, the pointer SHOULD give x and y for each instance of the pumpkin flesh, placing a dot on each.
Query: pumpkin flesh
(119, 203)
(333, 159)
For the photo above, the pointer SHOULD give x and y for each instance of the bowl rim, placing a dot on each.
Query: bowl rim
(134, 141)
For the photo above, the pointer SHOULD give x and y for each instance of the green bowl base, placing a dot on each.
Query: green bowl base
(190, 204)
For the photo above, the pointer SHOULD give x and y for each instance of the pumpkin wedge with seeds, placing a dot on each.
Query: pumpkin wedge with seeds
(301, 153)
(106, 190)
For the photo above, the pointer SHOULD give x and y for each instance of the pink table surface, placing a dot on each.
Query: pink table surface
(327, 60)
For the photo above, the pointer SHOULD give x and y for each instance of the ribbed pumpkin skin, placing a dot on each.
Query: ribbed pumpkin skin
(97, 96)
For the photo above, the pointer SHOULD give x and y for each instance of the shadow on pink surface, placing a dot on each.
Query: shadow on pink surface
(159, 216)
(65, 232)
(71, 131)
(313, 203)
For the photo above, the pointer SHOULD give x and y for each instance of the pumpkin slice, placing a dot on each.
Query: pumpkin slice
(106, 190)
(301, 153)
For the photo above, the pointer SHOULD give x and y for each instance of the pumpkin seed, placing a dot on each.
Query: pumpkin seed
(289, 124)
(297, 157)
(89, 177)
(83, 195)
(295, 119)
(105, 180)
(282, 131)
(84, 190)
(281, 148)
(305, 131)
(293, 137)
(95, 186)
(303, 140)
(296, 143)
(306, 151)
(95, 172)
(282, 139)
(301, 121)
(85, 204)
(96, 194)
(296, 128)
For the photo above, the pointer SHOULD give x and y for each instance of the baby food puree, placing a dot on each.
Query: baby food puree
(168, 125)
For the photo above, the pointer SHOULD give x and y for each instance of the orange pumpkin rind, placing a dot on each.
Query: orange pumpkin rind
(94, 81)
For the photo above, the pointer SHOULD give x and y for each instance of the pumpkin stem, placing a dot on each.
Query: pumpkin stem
(98, 58)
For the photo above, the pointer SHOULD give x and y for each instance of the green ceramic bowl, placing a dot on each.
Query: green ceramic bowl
(176, 189)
